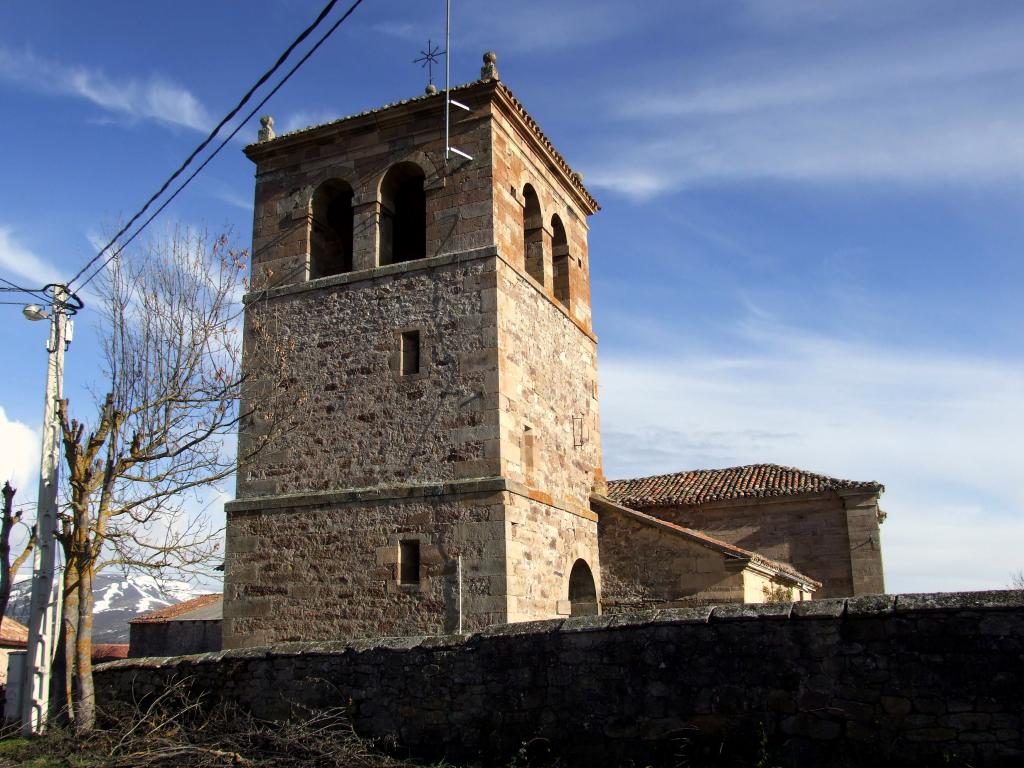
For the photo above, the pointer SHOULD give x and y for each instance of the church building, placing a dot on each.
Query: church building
(438, 465)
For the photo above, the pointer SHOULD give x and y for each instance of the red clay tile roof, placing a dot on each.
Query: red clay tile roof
(109, 652)
(173, 612)
(708, 541)
(751, 481)
(13, 633)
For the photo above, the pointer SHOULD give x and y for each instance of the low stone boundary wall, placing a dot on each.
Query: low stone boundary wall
(873, 680)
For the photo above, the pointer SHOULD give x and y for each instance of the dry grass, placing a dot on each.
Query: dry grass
(173, 731)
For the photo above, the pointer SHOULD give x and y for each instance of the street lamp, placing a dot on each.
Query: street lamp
(44, 613)
(35, 312)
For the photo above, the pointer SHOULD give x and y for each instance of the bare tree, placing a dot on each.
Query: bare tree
(1017, 580)
(9, 570)
(172, 362)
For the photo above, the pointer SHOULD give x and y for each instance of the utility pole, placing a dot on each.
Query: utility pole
(44, 616)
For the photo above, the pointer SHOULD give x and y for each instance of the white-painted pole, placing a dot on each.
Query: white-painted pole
(458, 572)
(44, 613)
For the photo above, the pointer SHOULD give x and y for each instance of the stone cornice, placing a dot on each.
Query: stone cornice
(481, 485)
(494, 91)
(374, 273)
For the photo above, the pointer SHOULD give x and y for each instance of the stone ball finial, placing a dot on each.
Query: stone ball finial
(430, 90)
(489, 71)
(266, 128)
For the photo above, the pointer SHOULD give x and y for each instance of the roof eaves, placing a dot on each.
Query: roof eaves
(174, 612)
(575, 179)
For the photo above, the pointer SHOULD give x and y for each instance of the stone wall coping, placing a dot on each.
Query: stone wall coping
(386, 270)
(864, 606)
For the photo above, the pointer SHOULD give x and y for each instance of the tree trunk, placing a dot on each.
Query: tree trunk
(85, 698)
(5, 548)
(69, 631)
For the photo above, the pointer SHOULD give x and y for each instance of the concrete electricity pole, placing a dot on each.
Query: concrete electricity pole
(44, 617)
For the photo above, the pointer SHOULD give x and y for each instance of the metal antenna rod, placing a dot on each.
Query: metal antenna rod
(447, 78)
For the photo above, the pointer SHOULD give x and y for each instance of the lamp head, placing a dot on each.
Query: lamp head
(35, 312)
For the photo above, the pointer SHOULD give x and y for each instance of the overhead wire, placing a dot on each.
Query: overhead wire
(220, 146)
(36, 292)
(213, 134)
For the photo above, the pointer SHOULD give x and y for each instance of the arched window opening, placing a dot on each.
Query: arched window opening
(330, 237)
(403, 215)
(582, 590)
(560, 260)
(533, 235)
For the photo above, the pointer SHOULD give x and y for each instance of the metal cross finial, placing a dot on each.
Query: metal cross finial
(430, 57)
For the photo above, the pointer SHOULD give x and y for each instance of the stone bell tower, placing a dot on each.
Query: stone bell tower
(432, 322)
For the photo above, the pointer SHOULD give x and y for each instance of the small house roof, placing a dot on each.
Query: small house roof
(102, 652)
(13, 633)
(700, 486)
(203, 608)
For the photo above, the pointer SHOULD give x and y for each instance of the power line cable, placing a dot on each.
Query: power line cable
(213, 134)
(36, 292)
(216, 151)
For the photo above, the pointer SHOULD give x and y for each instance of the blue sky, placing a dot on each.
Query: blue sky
(808, 253)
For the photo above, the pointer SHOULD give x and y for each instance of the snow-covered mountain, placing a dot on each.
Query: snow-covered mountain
(117, 601)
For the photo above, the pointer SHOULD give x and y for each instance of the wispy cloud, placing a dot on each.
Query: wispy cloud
(528, 26)
(938, 105)
(230, 195)
(942, 432)
(155, 98)
(306, 118)
(18, 260)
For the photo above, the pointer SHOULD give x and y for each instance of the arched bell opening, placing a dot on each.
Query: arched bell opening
(403, 214)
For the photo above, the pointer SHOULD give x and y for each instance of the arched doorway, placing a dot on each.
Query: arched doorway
(582, 590)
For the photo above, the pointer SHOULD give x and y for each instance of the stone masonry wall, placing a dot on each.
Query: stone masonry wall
(818, 535)
(543, 544)
(644, 567)
(174, 638)
(356, 422)
(548, 383)
(907, 680)
(325, 567)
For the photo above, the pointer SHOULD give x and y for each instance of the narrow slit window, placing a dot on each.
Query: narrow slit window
(409, 562)
(528, 453)
(410, 353)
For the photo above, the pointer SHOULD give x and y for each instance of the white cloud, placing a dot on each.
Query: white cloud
(19, 456)
(18, 260)
(155, 98)
(937, 105)
(943, 433)
(306, 119)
